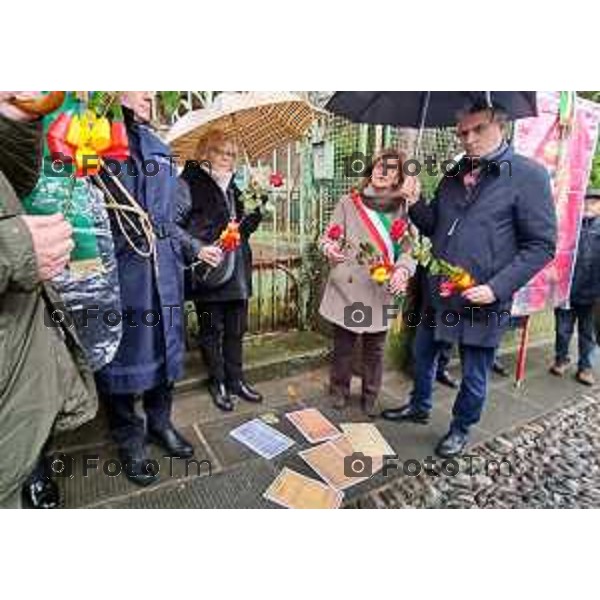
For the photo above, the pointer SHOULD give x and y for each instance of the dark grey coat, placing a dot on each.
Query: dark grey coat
(502, 232)
(586, 279)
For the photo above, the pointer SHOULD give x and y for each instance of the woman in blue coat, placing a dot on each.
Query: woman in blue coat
(150, 356)
(585, 291)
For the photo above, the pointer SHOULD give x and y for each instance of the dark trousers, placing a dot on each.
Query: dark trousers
(373, 347)
(222, 328)
(445, 354)
(127, 427)
(565, 319)
(476, 363)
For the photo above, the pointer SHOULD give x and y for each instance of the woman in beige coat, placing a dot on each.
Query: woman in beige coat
(368, 245)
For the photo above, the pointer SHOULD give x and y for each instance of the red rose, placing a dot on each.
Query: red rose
(276, 180)
(447, 289)
(398, 229)
(335, 232)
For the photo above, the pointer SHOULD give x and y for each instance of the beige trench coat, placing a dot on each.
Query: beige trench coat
(350, 293)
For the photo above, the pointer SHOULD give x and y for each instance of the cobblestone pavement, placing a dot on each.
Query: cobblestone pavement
(551, 462)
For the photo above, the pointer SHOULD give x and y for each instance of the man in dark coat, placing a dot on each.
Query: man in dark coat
(585, 291)
(493, 216)
(150, 355)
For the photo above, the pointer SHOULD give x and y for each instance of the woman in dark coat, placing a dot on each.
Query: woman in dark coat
(221, 292)
(585, 291)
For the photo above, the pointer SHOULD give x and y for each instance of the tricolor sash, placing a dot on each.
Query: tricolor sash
(378, 226)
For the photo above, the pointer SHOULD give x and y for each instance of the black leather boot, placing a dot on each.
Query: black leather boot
(137, 466)
(170, 440)
(220, 396)
(406, 413)
(446, 379)
(245, 392)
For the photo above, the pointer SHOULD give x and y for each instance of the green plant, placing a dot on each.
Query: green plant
(312, 280)
(595, 173)
(169, 103)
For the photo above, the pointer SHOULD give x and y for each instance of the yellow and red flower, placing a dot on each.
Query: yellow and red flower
(381, 272)
(458, 282)
(84, 138)
(230, 237)
(463, 281)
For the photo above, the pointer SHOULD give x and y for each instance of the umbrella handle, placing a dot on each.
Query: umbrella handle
(240, 142)
(422, 119)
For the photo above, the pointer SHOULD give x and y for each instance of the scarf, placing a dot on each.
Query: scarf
(222, 179)
(382, 203)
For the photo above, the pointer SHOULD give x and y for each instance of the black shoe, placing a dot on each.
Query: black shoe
(245, 392)
(446, 379)
(406, 413)
(499, 369)
(172, 442)
(220, 396)
(452, 444)
(138, 468)
(41, 492)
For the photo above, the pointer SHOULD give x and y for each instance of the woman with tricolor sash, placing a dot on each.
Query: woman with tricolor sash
(368, 245)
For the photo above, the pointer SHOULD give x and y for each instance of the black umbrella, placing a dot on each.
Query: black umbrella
(426, 109)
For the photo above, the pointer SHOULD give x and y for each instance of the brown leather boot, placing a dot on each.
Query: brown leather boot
(339, 401)
(370, 407)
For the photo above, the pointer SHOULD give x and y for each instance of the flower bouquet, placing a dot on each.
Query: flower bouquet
(81, 136)
(455, 279)
(261, 183)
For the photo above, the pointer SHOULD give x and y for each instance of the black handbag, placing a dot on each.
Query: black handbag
(210, 278)
(207, 277)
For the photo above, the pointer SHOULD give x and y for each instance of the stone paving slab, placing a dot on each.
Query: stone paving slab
(504, 410)
(241, 487)
(98, 487)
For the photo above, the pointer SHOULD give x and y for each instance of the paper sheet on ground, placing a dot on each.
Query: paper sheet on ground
(327, 460)
(262, 438)
(366, 438)
(294, 490)
(313, 425)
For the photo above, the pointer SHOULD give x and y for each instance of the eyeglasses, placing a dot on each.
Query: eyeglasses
(478, 130)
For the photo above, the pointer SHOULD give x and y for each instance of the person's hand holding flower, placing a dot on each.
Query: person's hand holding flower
(399, 281)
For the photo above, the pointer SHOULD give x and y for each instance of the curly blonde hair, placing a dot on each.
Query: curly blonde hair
(213, 140)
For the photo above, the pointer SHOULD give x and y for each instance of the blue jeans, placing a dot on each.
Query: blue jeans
(476, 364)
(565, 320)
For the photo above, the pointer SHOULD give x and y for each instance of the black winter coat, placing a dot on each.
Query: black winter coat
(211, 211)
(586, 279)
